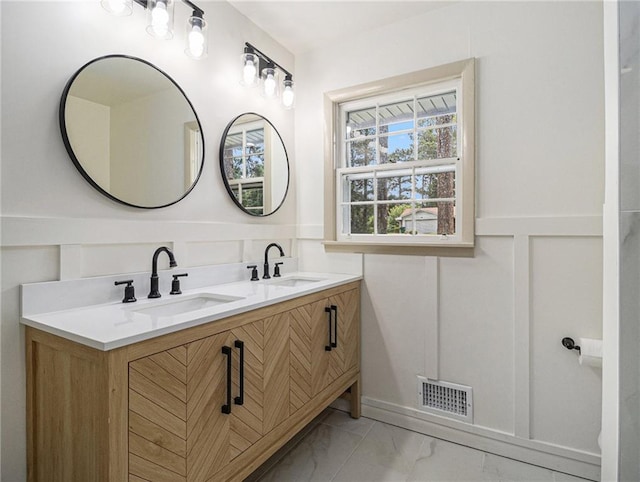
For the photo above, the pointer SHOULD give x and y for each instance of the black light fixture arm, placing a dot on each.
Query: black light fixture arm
(265, 58)
(196, 9)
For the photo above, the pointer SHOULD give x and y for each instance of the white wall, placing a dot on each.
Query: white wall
(495, 321)
(55, 225)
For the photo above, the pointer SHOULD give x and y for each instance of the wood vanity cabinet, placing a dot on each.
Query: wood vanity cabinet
(209, 403)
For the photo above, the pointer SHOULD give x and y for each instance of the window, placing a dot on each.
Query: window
(404, 162)
(244, 165)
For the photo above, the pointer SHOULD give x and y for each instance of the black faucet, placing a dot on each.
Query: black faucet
(266, 258)
(154, 293)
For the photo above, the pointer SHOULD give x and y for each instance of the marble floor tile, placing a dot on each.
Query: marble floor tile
(387, 453)
(337, 448)
(445, 461)
(288, 447)
(342, 420)
(318, 457)
(508, 470)
(354, 472)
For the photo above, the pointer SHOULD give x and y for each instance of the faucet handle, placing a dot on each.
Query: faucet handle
(276, 270)
(129, 291)
(175, 284)
(254, 272)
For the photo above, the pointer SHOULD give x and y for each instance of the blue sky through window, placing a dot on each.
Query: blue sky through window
(400, 141)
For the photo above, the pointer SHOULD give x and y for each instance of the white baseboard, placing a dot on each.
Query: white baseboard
(553, 457)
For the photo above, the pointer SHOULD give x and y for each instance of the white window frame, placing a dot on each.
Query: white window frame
(458, 75)
(430, 164)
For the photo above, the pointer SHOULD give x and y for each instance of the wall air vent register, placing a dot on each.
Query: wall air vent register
(445, 399)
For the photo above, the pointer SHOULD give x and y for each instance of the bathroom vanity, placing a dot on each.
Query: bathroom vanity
(191, 389)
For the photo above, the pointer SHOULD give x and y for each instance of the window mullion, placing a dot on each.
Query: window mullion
(244, 154)
(375, 196)
(378, 146)
(375, 173)
(413, 187)
(415, 128)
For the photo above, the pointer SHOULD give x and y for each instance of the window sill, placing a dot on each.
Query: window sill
(458, 250)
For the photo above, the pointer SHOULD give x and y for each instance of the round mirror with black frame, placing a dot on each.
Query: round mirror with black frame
(254, 164)
(132, 132)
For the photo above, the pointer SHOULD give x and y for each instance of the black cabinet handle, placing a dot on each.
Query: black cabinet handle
(334, 343)
(328, 347)
(240, 399)
(227, 407)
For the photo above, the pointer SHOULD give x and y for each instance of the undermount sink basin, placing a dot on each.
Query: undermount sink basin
(185, 305)
(293, 281)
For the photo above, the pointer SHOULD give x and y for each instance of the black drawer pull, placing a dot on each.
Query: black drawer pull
(240, 399)
(334, 343)
(328, 347)
(227, 407)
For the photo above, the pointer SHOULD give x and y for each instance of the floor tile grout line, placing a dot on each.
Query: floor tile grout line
(353, 451)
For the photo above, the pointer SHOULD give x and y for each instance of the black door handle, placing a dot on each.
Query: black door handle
(328, 347)
(240, 399)
(227, 407)
(334, 343)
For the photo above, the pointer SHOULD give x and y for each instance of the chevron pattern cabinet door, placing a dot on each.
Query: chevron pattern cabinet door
(322, 371)
(158, 417)
(276, 371)
(208, 429)
(300, 355)
(246, 419)
(345, 355)
(312, 367)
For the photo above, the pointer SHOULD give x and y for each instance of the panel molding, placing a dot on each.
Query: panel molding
(40, 231)
(522, 336)
(432, 319)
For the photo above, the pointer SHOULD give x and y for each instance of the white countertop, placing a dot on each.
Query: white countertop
(116, 324)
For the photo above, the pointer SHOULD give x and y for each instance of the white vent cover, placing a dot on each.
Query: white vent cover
(445, 399)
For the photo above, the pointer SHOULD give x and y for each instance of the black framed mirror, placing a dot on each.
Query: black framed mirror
(254, 164)
(132, 132)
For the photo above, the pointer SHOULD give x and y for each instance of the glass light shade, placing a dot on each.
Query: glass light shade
(288, 95)
(250, 64)
(197, 38)
(269, 82)
(160, 18)
(118, 7)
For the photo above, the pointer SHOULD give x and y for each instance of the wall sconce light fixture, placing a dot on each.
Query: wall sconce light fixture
(256, 64)
(160, 22)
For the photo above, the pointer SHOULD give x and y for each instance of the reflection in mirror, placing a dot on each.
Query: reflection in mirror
(254, 164)
(131, 132)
